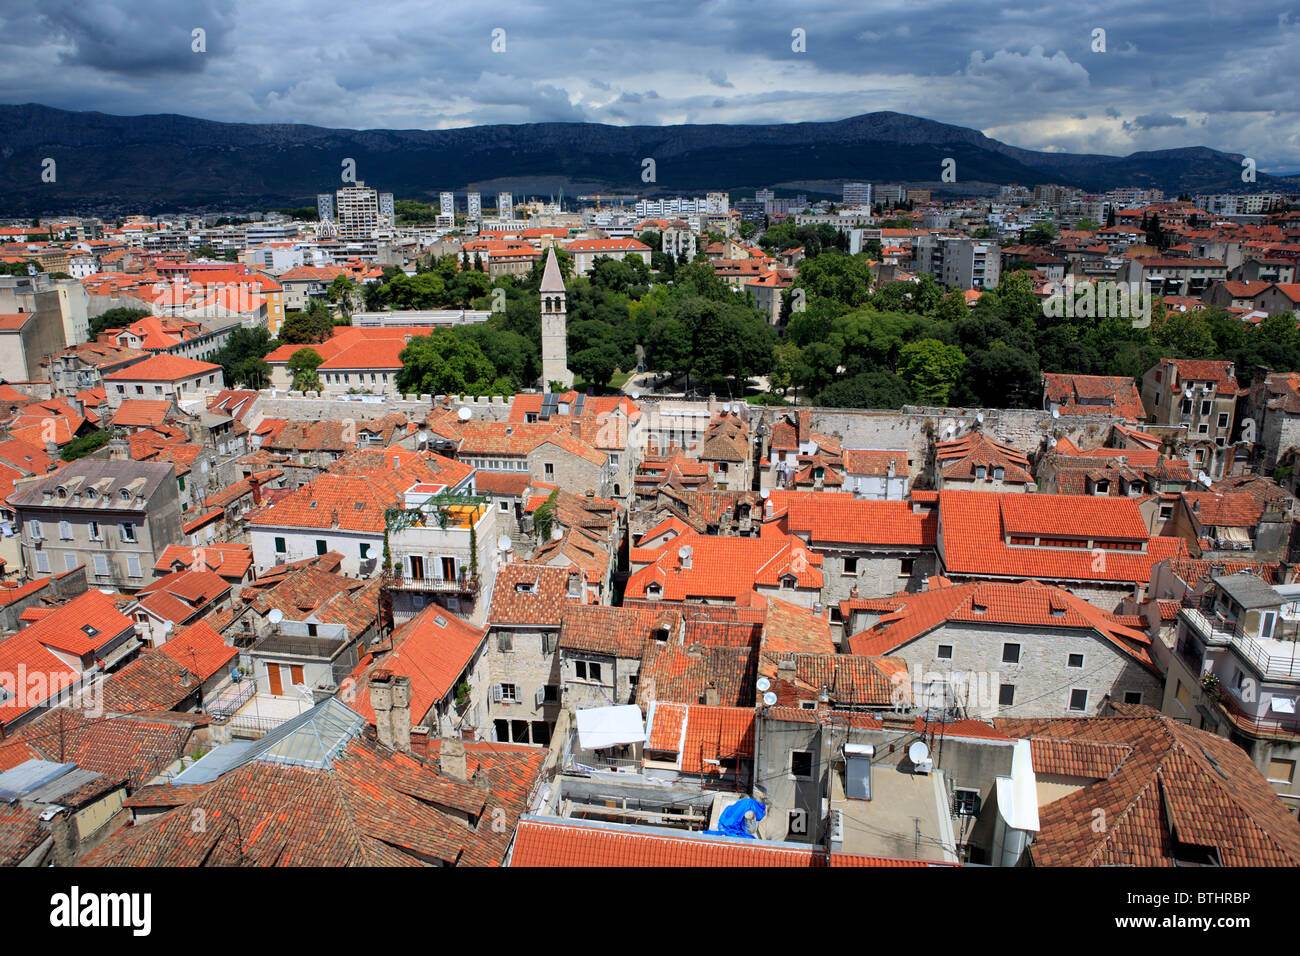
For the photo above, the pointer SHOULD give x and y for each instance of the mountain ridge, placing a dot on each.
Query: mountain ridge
(198, 163)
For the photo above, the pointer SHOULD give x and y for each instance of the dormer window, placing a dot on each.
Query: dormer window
(998, 473)
(981, 472)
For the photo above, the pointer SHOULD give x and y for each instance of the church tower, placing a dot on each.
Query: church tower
(555, 349)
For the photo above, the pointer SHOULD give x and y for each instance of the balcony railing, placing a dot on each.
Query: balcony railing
(1252, 723)
(1214, 630)
(464, 583)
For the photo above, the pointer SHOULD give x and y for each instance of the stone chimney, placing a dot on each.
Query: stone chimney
(400, 715)
(64, 830)
(785, 670)
(711, 696)
(451, 759)
(381, 701)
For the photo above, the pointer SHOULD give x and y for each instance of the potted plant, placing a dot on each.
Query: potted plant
(462, 695)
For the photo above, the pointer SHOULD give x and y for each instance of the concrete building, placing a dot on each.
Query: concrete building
(114, 517)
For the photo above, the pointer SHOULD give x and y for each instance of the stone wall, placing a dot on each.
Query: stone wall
(916, 428)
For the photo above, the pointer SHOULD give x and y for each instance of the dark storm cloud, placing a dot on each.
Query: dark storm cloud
(1031, 77)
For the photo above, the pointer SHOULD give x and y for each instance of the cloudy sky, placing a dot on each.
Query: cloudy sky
(1219, 73)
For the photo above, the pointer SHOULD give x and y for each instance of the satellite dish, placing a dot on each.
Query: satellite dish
(635, 396)
(557, 534)
(422, 437)
(504, 543)
(918, 752)
(464, 414)
(769, 699)
(276, 615)
(684, 552)
(763, 685)
(1056, 413)
(726, 409)
(979, 417)
(764, 493)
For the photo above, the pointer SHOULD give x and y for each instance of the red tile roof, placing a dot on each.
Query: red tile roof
(162, 368)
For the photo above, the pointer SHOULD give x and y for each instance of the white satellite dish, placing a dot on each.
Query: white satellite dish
(422, 437)
(504, 543)
(557, 534)
(1056, 413)
(769, 699)
(684, 552)
(763, 685)
(918, 752)
(979, 417)
(276, 615)
(1051, 443)
(464, 414)
(726, 409)
(764, 493)
(1204, 479)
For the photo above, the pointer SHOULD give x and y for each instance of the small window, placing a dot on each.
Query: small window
(321, 546)
(1132, 696)
(1078, 699)
(999, 472)
(506, 643)
(1006, 695)
(905, 566)
(801, 764)
(980, 471)
(850, 565)
(280, 546)
(126, 531)
(504, 505)
(943, 652)
(965, 802)
(509, 693)
(1280, 770)
(1074, 660)
(1010, 653)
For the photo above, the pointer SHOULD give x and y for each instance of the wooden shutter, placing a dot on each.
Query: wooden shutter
(295, 671)
(539, 696)
(273, 672)
(496, 693)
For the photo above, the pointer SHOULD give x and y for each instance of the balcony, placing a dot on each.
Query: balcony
(1249, 722)
(1274, 657)
(464, 583)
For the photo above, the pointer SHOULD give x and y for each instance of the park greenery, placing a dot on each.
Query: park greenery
(842, 340)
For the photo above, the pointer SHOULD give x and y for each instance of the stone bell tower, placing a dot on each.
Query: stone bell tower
(555, 349)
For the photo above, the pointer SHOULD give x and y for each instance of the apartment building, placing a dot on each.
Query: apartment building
(115, 517)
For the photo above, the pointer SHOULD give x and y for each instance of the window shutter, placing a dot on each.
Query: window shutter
(69, 561)
(539, 696)
(101, 564)
(133, 565)
(42, 562)
(65, 530)
(496, 693)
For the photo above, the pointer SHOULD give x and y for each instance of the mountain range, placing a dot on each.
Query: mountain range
(106, 163)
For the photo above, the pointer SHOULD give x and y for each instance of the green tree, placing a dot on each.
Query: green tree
(303, 364)
(866, 390)
(306, 328)
(442, 363)
(841, 278)
(341, 291)
(118, 318)
(931, 368)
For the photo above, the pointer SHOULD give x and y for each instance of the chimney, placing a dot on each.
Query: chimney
(400, 715)
(785, 670)
(255, 483)
(711, 696)
(64, 830)
(451, 758)
(891, 468)
(381, 701)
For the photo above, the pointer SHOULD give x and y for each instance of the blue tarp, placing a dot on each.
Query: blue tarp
(731, 821)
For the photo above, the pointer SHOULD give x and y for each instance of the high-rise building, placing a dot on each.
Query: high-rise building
(505, 205)
(555, 354)
(358, 211)
(325, 207)
(473, 206)
(447, 204)
(387, 210)
(857, 194)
